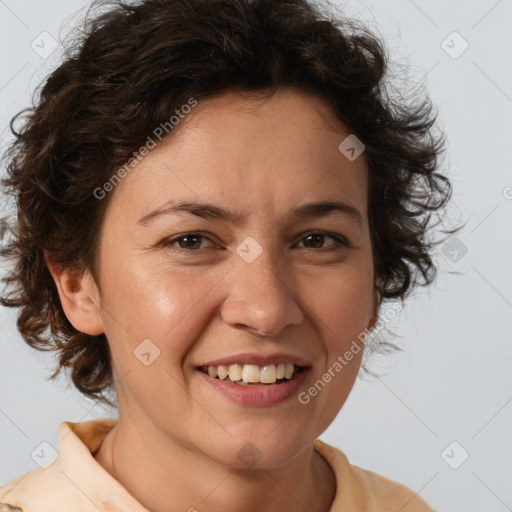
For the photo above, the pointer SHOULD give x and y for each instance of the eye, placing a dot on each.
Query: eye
(316, 238)
(187, 241)
(191, 242)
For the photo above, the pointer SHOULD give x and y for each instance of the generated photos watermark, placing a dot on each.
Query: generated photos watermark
(159, 133)
(343, 360)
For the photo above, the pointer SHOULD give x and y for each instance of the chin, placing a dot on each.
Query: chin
(258, 452)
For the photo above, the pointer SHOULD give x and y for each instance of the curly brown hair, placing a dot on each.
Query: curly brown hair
(129, 69)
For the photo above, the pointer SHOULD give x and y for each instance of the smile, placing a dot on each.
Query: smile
(248, 386)
(251, 374)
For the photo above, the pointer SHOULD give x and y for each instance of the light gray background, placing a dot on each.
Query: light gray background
(454, 381)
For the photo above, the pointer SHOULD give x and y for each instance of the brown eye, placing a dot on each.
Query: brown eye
(315, 240)
(191, 242)
(187, 242)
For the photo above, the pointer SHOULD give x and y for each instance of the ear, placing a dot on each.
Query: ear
(79, 297)
(374, 310)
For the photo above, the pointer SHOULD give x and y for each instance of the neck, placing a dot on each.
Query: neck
(157, 471)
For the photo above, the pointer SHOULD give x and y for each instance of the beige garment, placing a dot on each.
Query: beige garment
(76, 482)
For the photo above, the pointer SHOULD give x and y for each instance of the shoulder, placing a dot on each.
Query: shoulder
(39, 487)
(363, 490)
(391, 494)
(63, 483)
(4, 507)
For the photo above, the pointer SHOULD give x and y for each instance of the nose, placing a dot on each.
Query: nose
(260, 298)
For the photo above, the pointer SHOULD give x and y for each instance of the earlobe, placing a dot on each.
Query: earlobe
(79, 297)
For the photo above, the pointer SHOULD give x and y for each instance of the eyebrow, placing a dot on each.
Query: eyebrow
(213, 212)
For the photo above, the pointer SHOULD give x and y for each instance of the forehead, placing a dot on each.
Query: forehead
(249, 152)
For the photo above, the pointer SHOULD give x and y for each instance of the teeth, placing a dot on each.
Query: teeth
(235, 372)
(253, 374)
(268, 374)
(222, 372)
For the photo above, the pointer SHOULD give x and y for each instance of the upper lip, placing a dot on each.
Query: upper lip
(257, 359)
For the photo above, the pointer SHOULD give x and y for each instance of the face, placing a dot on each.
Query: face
(269, 281)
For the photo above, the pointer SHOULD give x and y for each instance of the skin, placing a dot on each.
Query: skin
(177, 439)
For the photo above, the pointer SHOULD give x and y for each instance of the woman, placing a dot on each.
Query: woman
(214, 198)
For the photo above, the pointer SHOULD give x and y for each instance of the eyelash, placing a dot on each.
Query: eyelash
(342, 242)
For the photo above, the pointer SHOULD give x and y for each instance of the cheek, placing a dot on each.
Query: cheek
(168, 307)
(341, 303)
(151, 327)
(342, 311)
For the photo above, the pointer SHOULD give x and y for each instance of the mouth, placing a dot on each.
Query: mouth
(253, 375)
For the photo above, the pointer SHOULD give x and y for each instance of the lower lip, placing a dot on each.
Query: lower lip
(258, 396)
